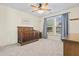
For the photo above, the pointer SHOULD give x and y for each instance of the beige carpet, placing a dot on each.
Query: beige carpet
(43, 47)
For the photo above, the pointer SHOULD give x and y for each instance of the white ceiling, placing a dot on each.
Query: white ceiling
(55, 7)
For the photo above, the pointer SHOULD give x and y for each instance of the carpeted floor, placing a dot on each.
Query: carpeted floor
(43, 47)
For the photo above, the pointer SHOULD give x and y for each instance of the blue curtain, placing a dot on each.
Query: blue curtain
(45, 29)
(64, 32)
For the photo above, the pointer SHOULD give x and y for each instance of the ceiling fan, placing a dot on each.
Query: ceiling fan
(40, 7)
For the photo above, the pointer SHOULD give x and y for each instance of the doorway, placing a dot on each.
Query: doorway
(54, 27)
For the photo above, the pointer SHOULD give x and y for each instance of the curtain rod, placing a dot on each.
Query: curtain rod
(57, 15)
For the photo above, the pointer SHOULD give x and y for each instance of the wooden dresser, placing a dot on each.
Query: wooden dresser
(71, 45)
(27, 35)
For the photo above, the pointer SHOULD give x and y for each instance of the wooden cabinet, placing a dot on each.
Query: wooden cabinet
(71, 48)
(71, 45)
(27, 35)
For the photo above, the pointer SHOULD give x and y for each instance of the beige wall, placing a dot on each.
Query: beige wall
(9, 20)
(74, 13)
(73, 25)
(2, 25)
(41, 24)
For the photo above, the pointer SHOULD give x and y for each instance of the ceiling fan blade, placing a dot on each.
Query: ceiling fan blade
(44, 8)
(34, 6)
(47, 9)
(45, 4)
(34, 10)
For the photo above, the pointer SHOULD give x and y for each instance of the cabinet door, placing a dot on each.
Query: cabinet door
(25, 36)
(67, 49)
(75, 49)
(71, 49)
